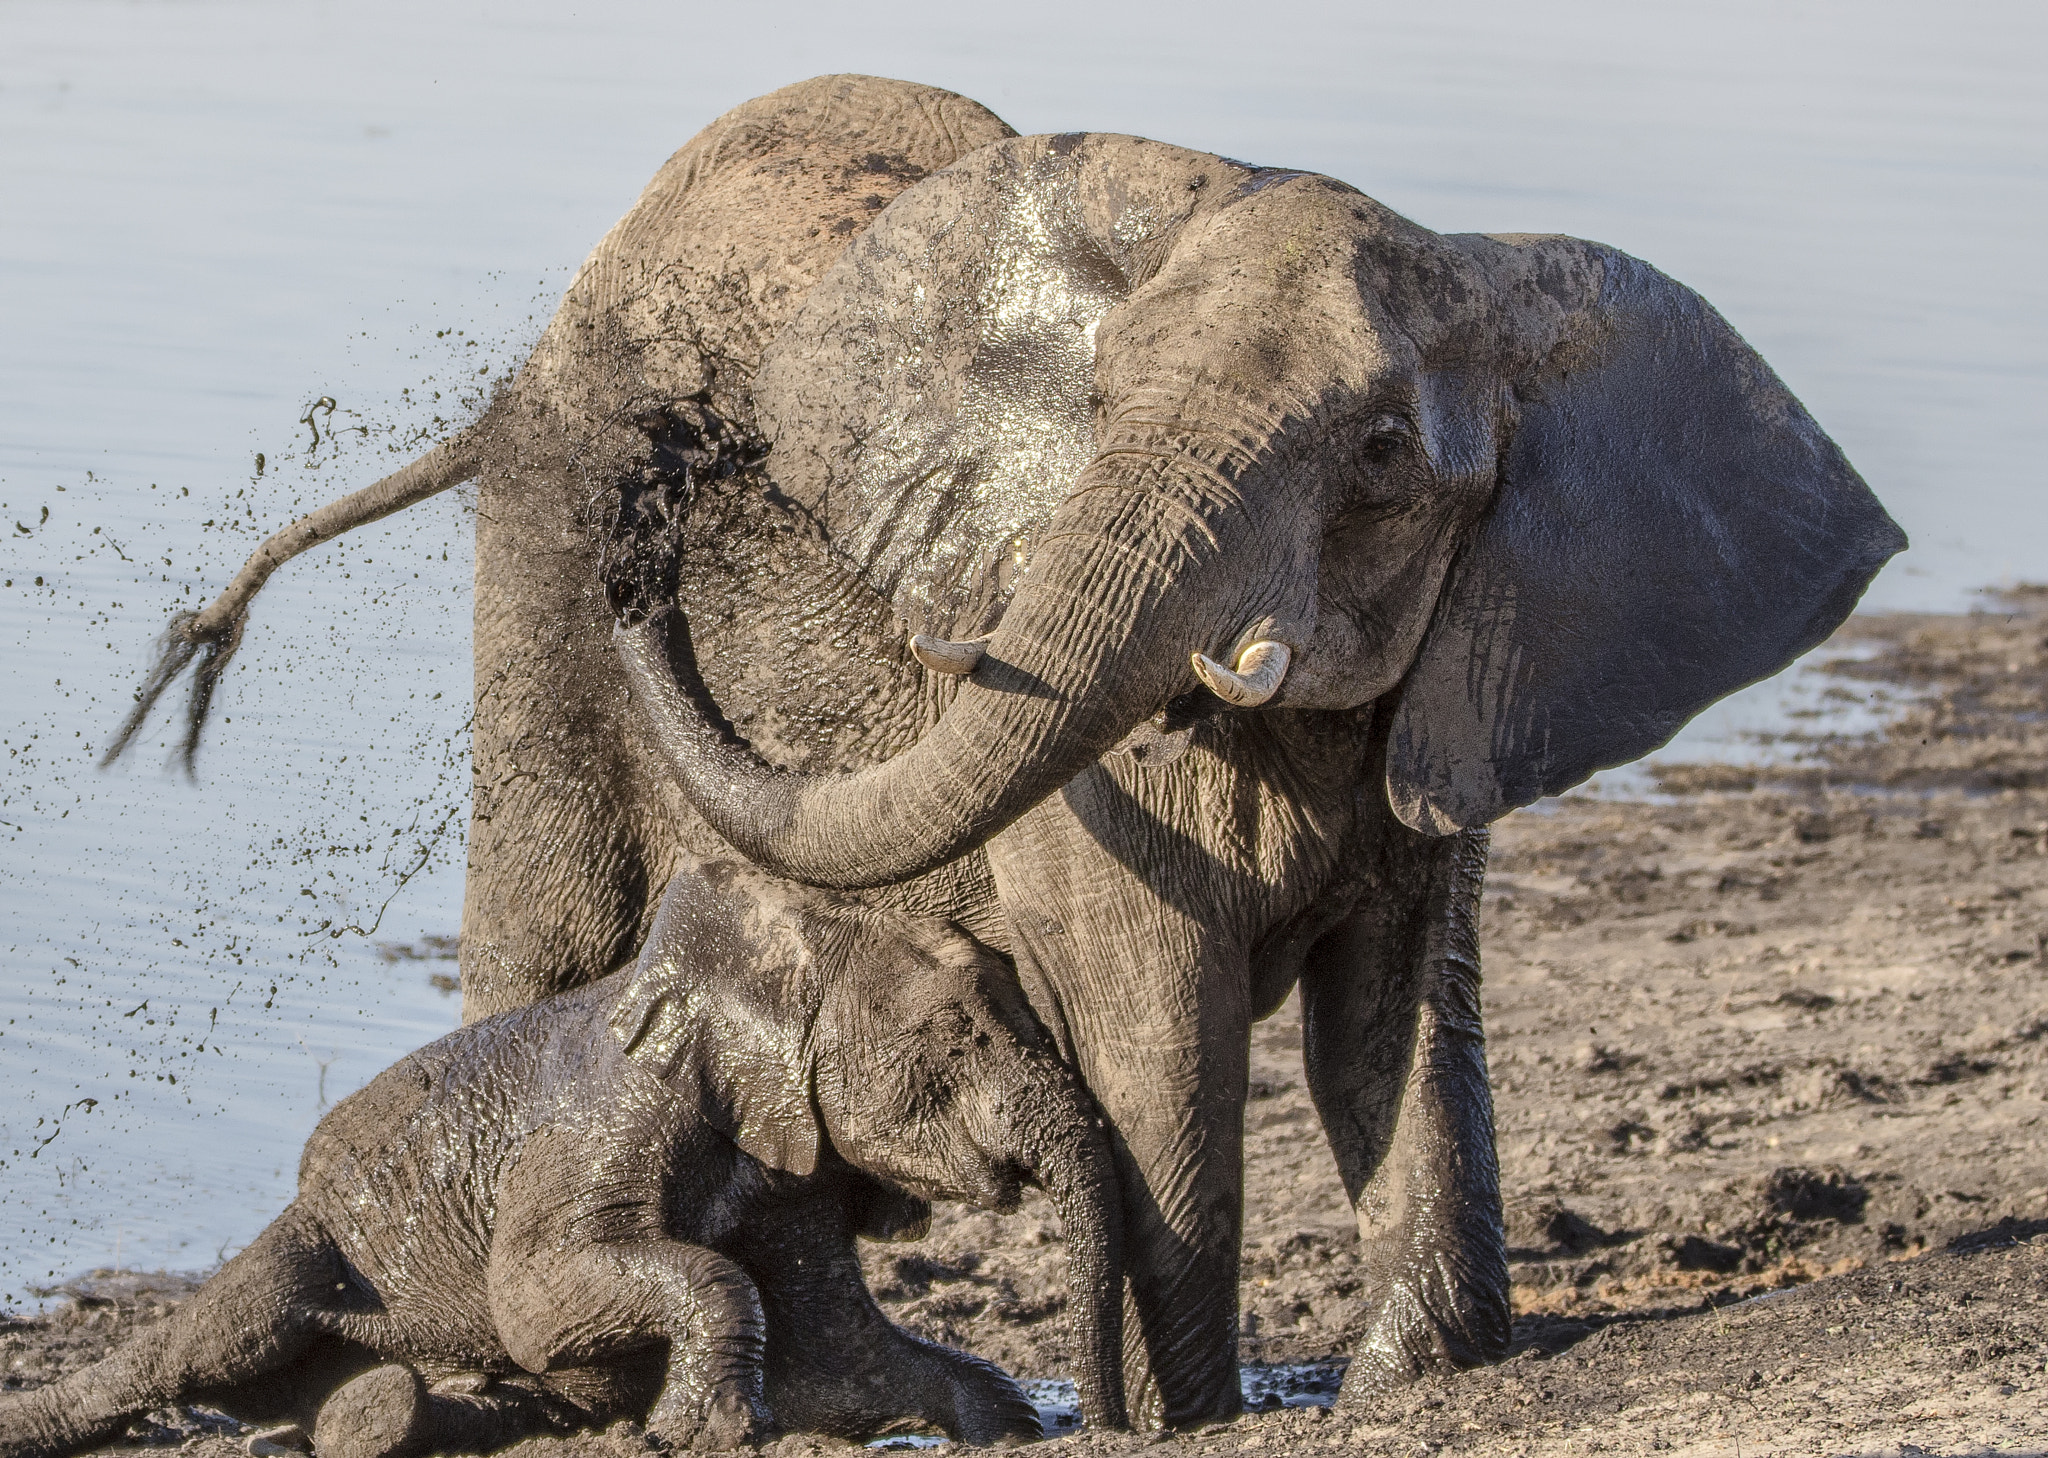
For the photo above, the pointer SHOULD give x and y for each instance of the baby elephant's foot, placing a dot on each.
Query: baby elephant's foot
(381, 1414)
(729, 1420)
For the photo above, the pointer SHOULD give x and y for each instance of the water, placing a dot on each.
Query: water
(218, 213)
(1266, 1387)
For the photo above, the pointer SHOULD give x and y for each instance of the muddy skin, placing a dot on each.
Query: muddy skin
(639, 1200)
(1923, 1091)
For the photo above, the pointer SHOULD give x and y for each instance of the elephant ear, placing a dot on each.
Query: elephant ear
(722, 1008)
(932, 401)
(1670, 525)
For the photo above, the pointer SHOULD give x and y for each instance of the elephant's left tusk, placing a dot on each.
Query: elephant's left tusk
(941, 655)
(1256, 679)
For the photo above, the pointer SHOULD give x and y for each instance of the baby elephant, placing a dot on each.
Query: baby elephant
(640, 1198)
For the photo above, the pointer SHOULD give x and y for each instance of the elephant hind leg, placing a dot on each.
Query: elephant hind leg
(243, 1327)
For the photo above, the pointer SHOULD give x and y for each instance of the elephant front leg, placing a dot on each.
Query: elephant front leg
(1395, 1055)
(1158, 1029)
(584, 1308)
(561, 1300)
(1149, 998)
(570, 840)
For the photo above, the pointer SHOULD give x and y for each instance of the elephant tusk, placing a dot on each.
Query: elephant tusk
(1256, 678)
(941, 655)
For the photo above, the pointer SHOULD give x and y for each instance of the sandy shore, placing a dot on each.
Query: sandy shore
(1770, 1056)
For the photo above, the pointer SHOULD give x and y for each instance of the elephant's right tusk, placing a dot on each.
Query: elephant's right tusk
(1256, 678)
(941, 655)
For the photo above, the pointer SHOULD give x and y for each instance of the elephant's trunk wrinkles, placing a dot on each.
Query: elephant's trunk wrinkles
(1128, 580)
(1079, 1176)
(213, 633)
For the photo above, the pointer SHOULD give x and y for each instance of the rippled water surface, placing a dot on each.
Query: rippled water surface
(217, 214)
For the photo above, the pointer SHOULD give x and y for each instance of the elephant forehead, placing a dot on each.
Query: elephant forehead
(933, 400)
(744, 219)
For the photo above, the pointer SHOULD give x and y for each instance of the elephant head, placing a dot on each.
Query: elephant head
(810, 1029)
(1110, 421)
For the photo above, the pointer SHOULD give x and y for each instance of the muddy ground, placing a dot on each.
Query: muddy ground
(1770, 1055)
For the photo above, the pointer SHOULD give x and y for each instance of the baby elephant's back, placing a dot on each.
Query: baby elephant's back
(374, 1142)
(420, 1149)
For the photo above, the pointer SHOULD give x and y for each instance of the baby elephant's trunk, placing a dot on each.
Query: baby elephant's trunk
(1076, 1171)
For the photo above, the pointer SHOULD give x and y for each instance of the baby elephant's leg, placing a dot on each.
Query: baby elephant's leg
(558, 1303)
(838, 1365)
(389, 1412)
(815, 1386)
(577, 1308)
(232, 1339)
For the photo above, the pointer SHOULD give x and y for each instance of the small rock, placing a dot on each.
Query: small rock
(1595, 1058)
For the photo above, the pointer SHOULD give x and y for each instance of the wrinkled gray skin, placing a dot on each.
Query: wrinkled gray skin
(640, 1198)
(1518, 506)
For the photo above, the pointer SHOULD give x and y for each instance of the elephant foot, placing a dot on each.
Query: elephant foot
(381, 1414)
(1426, 1322)
(992, 1409)
(729, 1420)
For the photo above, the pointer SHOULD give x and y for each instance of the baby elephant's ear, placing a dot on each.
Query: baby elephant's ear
(1670, 524)
(721, 1008)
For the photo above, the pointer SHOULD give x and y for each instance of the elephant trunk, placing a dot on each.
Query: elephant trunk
(1076, 1169)
(1130, 578)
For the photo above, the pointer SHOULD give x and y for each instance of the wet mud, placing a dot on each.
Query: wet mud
(1770, 1056)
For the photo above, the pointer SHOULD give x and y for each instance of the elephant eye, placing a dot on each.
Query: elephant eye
(1384, 441)
(1374, 486)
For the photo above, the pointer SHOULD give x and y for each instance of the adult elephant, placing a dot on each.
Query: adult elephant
(1264, 548)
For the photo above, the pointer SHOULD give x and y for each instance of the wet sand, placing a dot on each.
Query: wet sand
(1770, 1056)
